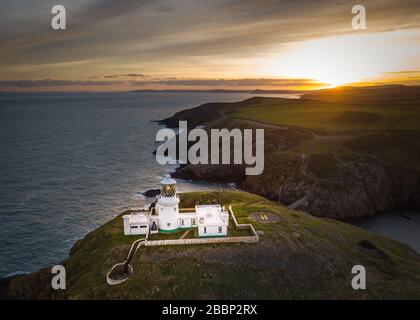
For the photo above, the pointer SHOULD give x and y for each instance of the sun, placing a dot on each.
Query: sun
(336, 60)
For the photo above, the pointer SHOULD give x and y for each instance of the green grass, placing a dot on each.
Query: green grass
(167, 236)
(335, 116)
(233, 232)
(323, 165)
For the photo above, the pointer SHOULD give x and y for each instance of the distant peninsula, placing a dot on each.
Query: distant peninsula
(254, 91)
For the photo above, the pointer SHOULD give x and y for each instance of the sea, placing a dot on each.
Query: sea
(403, 226)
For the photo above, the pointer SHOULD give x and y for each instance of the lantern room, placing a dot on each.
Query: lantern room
(168, 187)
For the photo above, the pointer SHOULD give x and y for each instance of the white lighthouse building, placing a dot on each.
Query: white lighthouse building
(167, 208)
(210, 220)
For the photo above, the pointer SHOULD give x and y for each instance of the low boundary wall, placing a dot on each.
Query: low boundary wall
(246, 239)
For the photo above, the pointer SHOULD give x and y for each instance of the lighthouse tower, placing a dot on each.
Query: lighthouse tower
(167, 206)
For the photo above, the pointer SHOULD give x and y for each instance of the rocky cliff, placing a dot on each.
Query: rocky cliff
(342, 174)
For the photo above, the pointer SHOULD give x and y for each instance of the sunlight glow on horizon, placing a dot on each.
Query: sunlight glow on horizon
(346, 59)
(357, 58)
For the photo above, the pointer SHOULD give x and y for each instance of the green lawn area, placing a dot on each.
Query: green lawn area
(335, 116)
(233, 232)
(193, 233)
(167, 236)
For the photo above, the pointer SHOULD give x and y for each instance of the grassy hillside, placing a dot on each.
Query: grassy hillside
(338, 117)
(299, 256)
(350, 151)
(399, 94)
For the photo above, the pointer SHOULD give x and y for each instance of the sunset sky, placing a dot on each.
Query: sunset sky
(113, 45)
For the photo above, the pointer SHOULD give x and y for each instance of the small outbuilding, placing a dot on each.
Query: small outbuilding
(136, 223)
(212, 220)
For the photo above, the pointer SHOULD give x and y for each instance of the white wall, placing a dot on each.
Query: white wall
(211, 231)
(136, 229)
(126, 220)
(168, 214)
(187, 222)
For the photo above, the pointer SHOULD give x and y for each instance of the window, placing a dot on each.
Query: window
(168, 190)
(205, 230)
(175, 209)
(143, 226)
(168, 224)
(133, 227)
(154, 226)
(193, 221)
(220, 229)
(182, 222)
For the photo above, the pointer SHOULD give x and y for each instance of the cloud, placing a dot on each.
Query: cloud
(140, 75)
(403, 72)
(53, 83)
(164, 82)
(231, 82)
(158, 35)
(111, 76)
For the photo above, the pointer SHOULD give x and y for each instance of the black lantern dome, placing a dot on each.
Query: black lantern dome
(167, 187)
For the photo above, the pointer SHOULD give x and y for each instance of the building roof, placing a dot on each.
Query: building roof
(209, 215)
(192, 214)
(167, 180)
(139, 218)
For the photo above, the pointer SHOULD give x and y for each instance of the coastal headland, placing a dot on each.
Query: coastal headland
(349, 152)
(345, 159)
(299, 256)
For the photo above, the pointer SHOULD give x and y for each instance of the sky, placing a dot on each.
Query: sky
(114, 45)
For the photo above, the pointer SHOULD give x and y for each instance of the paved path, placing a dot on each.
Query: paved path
(301, 202)
(185, 234)
(303, 168)
(126, 267)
